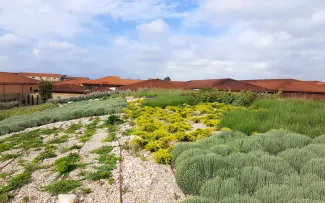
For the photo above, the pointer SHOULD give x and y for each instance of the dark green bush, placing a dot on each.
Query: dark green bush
(62, 186)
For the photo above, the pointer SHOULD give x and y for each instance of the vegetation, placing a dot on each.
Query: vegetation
(45, 90)
(9, 105)
(108, 162)
(70, 111)
(306, 117)
(62, 186)
(277, 166)
(167, 78)
(158, 128)
(24, 110)
(67, 164)
(95, 95)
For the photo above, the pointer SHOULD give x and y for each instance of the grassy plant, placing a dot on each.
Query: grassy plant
(64, 150)
(72, 128)
(95, 95)
(68, 112)
(299, 116)
(103, 150)
(67, 164)
(58, 140)
(9, 105)
(6, 157)
(128, 132)
(113, 120)
(24, 110)
(62, 186)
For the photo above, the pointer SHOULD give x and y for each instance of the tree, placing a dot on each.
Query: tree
(167, 78)
(45, 90)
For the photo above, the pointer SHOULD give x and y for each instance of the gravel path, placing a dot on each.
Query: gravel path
(144, 181)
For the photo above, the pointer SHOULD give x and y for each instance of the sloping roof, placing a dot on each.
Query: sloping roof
(10, 78)
(100, 89)
(224, 85)
(75, 78)
(40, 75)
(289, 85)
(203, 84)
(72, 82)
(67, 89)
(152, 84)
(111, 81)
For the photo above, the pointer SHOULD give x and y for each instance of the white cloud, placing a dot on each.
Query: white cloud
(156, 26)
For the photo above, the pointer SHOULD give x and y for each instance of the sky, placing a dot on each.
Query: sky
(182, 39)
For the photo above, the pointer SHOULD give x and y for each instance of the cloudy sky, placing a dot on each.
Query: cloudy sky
(183, 39)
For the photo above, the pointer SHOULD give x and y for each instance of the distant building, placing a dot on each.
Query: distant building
(43, 76)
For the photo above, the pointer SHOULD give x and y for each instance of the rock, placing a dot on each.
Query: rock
(67, 198)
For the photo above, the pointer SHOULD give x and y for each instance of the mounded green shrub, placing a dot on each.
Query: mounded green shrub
(278, 193)
(191, 174)
(218, 189)
(297, 157)
(253, 178)
(180, 148)
(222, 149)
(199, 200)
(318, 140)
(240, 199)
(189, 153)
(305, 201)
(315, 166)
(315, 191)
(318, 149)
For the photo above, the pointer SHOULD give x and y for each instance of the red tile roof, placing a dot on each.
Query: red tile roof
(152, 84)
(288, 85)
(10, 78)
(68, 89)
(111, 81)
(72, 82)
(100, 89)
(40, 74)
(75, 78)
(224, 85)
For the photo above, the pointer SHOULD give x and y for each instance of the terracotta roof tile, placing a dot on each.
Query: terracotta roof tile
(100, 89)
(152, 84)
(288, 85)
(111, 81)
(68, 89)
(41, 74)
(10, 78)
(72, 82)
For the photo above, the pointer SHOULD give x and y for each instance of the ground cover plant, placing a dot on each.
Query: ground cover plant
(277, 166)
(67, 112)
(95, 95)
(24, 110)
(305, 117)
(158, 128)
(9, 105)
(62, 146)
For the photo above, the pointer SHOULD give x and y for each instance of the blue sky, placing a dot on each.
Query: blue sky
(185, 39)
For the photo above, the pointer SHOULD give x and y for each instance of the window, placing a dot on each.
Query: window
(31, 89)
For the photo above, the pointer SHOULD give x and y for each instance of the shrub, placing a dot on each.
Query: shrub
(62, 186)
(67, 164)
(113, 120)
(95, 95)
(218, 189)
(240, 199)
(68, 112)
(315, 191)
(192, 173)
(189, 153)
(9, 105)
(278, 193)
(315, 166)
(199, 200)
(162, 156)
(297, 157)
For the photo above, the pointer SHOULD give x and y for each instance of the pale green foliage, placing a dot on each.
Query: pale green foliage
(218, 189)
(191, 174)
(305, 201)
(319, 140)
(222, 149)
(297, 157)
(199, 200)
(275, 167)
(240, 199)
(278, 193)
(315, 166)
(253, 178)
(189, 153)
(68, 112)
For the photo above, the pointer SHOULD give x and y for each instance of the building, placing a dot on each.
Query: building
(43, 76)
(12, 86)
(111, 82)
(226, 84)
(152, 84)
